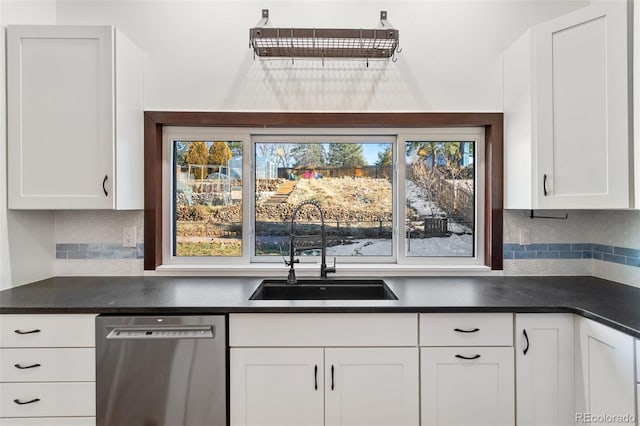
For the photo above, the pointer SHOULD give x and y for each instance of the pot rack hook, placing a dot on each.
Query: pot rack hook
(396, 51)
(293, 49)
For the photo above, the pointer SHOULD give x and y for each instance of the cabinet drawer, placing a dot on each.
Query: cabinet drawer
(47, 365)
(47, 331)
(491, 329)
(323, 330)
(55, 399)
(48, 421)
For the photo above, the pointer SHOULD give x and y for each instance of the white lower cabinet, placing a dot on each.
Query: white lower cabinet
(316, 386)
(467, 369)
(277, 386)
(313, 381)
(48, 399)
(371, 386)
(467, 386)
(544, 370)
(605, 374)
(47, 370)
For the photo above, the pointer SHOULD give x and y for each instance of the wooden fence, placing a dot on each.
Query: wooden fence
(377, 172)
(456, 200)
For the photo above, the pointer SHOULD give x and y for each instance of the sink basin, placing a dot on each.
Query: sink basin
(318, 289)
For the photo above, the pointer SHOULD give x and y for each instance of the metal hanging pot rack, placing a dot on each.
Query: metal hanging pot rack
(378, 43)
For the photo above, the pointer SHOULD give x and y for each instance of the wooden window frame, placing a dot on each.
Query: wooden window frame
(154, 121)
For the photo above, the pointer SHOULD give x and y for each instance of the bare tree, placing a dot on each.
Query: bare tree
(284, 155)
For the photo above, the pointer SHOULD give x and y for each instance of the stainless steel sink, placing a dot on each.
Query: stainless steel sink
(323, 289)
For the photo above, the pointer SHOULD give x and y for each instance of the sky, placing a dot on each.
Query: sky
(371, 150)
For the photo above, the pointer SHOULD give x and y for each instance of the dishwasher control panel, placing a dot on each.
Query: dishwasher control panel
(207, 332)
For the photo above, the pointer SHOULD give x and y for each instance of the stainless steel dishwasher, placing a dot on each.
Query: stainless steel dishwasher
(161, 371)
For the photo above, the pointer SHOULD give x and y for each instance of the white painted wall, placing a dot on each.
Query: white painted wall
(27, 246)
(199, 59)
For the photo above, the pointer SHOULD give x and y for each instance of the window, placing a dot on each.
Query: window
(350, 178)
(388, 196)
(207, 198)
(443, 197)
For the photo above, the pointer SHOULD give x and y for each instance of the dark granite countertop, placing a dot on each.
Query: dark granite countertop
(610, 303)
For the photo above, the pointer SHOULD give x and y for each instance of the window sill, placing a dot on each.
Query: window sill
(313, 270)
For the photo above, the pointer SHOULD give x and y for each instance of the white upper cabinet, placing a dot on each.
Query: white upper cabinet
(75, 118)
(566, 96)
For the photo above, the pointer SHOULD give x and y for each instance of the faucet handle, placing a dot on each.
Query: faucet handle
(332, 268)
(291, 262)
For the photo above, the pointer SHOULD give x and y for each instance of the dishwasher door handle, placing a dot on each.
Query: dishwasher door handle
(162, 332)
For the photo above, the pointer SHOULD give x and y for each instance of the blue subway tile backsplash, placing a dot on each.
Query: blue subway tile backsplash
(621, 255)
(99, 251)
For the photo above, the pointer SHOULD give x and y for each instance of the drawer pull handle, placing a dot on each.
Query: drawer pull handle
(332, 382)
(17, 401)
(474, 330)
(476, 356)
(104, 188)
(26, 366)
(524, 332)
(315, 376)
(26, 332)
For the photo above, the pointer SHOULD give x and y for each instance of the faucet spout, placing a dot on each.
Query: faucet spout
(324, 269)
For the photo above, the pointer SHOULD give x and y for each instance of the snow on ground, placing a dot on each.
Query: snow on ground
(368, 247)
(454, 246)
(418, 199)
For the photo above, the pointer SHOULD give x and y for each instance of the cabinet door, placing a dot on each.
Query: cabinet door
(467, 386)
(605, 380)
(544, 370)
(276, 387)
(582, 93)
(60, 117)
(371, 386)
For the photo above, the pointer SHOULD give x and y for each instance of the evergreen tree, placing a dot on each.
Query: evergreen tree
(385, 158)
(197, 154)
(219, 153)
(235, 147)
(181, 149)
(346, 155)
(308, 154)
